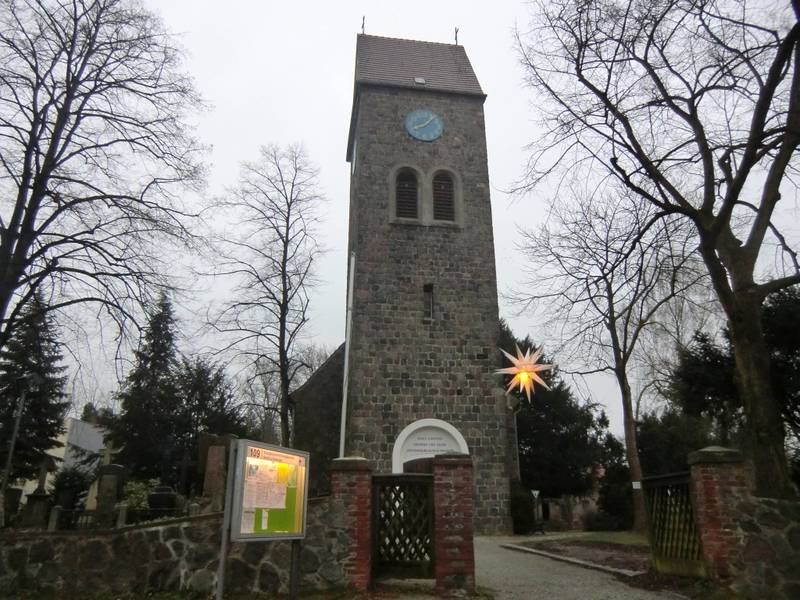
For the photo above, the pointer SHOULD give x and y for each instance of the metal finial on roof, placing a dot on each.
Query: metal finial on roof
(363, 18)
(456, 36)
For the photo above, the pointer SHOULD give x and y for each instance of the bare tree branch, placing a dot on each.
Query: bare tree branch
(604, 270)
(695, 108)
(270, 255)
(94, 150)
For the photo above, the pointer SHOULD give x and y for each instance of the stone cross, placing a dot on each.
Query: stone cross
(47, 465)
(107, 453)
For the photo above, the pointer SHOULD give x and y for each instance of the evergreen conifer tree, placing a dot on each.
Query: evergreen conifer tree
(30, 363)
(561, 441)
(207, 405)
(145, 431)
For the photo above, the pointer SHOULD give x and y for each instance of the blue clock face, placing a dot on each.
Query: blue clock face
(424, 125)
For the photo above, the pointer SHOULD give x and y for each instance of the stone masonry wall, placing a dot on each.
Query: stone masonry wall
(751, 544)
(180, 554)
(317, 414)
(402, 367)
(766, 562)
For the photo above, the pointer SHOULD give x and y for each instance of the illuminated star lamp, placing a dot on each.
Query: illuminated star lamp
(525, 371)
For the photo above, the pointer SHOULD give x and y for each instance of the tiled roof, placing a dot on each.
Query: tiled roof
(403, 63)
(392, 61)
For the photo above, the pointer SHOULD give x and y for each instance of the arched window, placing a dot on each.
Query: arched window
(406, 195)
(443, 197)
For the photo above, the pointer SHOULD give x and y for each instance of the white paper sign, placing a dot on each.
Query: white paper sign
(248, 521)
(275, 495)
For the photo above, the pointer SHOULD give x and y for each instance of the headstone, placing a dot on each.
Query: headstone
(186, 480)
(52, 522)
(36, 510)
(215, 475)
(12, 501)
(206, 441)
(37, 507)
(109, 488)
(107, 454)
(47, 465)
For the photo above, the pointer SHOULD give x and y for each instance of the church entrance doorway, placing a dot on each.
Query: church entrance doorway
(425, 438)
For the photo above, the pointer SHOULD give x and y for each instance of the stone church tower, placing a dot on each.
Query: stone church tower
(422, 299)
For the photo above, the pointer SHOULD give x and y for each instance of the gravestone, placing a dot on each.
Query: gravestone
(215, 476)
(38, 502)
(12, 501)
(110, 483)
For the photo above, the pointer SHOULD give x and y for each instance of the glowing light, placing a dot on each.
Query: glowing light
(525, 371)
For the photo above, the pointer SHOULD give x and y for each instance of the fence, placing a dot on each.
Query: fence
(674, 539)
(70, 520)
(80, 519)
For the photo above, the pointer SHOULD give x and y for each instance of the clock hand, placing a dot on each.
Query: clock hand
(425, 124)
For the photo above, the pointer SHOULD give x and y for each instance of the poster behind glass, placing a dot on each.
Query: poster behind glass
(269, 492)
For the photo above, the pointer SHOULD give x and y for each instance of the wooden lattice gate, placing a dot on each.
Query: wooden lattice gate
(674, 539)
(402, 509)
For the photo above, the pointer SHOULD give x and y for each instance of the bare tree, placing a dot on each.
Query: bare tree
(660, 345)
(270, 253)
(695, 107)
(94, 148)
(260, 397)
(601, 282)
(261, 390)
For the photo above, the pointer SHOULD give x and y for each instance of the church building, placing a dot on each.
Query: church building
(415, 377)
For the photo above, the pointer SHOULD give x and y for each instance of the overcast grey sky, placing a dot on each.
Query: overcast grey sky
(282, 72)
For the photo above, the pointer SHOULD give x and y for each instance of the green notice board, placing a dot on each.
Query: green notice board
(269, 492)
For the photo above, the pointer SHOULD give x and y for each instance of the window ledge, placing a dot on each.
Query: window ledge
(421, 223)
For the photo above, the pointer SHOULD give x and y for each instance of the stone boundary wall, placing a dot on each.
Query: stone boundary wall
(750, 543)
(175, 554)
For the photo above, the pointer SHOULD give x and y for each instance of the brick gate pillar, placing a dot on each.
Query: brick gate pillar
(351, 492)
(718, 483)
(453, 529)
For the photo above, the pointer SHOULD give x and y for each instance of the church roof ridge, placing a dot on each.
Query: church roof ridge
(399, 39)
(411, 64)
(415, 64)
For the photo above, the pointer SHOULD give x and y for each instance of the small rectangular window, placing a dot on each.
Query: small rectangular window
(427, 293)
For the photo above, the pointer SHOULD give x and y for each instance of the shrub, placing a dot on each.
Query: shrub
(616, 499)
(136, 492)
(523, 513)
(602, 521)
(68, 486)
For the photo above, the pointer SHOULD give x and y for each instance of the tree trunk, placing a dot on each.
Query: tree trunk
(762, 412)
(632, 453)
(285, 433)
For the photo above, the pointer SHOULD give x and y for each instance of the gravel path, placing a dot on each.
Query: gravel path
(511, 575)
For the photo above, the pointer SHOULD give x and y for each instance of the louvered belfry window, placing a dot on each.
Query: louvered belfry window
(443, 198)
(406, 195)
